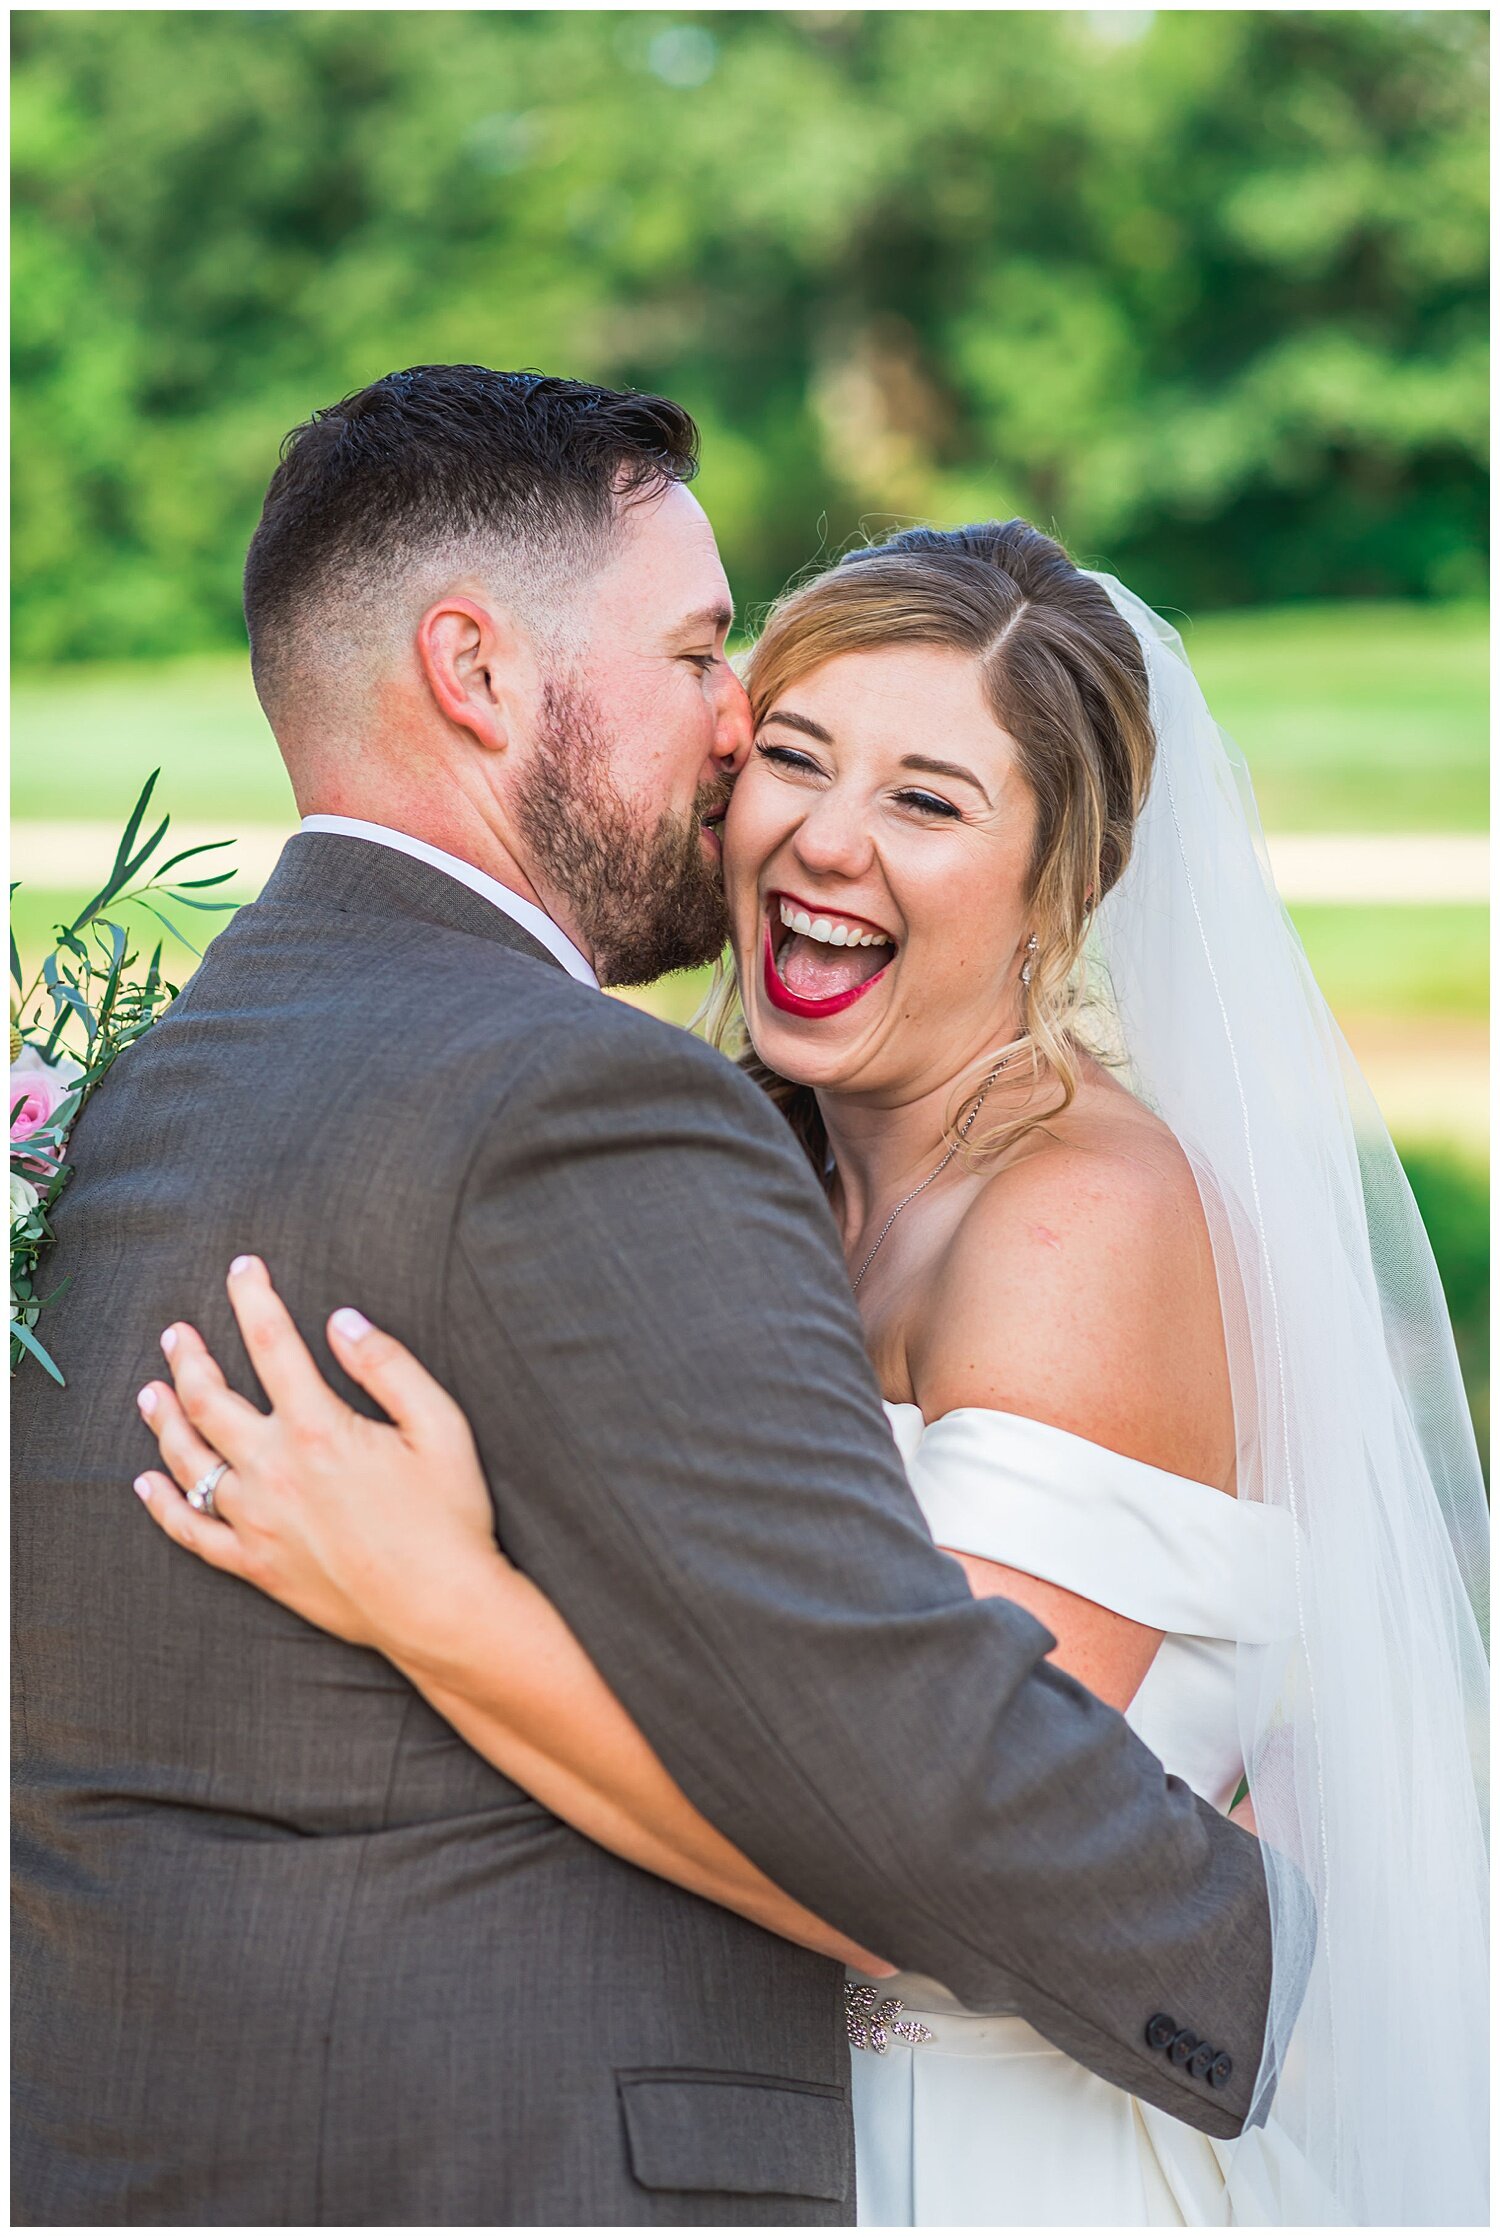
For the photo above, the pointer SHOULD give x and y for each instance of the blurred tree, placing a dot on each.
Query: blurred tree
(1205, 290)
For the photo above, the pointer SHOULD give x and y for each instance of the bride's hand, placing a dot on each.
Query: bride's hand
(363, 1527)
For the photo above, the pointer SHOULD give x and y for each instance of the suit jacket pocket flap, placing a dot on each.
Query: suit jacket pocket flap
(755, 2134)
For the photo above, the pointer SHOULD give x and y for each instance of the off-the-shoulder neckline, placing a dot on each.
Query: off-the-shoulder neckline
(1069, 1436)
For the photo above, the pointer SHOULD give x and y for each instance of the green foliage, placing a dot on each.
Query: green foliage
(1206, 290)
(1453, 1198)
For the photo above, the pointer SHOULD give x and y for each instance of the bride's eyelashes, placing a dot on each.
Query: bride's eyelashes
(930, 805)
(786, 757)
(802, 764)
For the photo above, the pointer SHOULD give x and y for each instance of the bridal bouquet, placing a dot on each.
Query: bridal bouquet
(84, 1006)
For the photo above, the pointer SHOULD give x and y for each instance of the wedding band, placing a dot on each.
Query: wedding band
(202, 1494)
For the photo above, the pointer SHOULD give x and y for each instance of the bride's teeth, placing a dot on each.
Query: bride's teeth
(832, 931)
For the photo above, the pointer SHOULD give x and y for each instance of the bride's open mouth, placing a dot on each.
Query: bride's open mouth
(819, 961)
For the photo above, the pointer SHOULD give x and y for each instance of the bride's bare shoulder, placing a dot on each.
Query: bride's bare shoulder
(1079, 1289)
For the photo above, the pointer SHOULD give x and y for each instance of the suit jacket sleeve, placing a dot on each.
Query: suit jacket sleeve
(653, 1335)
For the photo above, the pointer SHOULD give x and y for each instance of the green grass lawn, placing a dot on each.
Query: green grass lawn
(83, 746)
(1353, 718)
(1399, 961)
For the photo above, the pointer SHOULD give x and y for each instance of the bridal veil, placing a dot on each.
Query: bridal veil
(1364, 1729)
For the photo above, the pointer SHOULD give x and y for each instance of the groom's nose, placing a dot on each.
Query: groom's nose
(734, 727)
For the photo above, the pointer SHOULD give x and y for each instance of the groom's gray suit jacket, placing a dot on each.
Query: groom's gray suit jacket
(287, 1950)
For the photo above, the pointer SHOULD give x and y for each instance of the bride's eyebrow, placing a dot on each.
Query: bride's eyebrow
(946, 769)
(804, 723)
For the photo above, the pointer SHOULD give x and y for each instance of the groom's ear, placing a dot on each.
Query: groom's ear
(477, 665)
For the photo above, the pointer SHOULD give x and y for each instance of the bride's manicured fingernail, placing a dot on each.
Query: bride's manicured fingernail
(350, 1324)
(142, 1487)
(169, 1341)
(241, 1265)
(146, 1400)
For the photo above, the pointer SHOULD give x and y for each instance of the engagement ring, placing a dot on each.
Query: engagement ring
(202, 1494)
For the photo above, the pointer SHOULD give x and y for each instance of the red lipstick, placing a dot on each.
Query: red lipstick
(781, 997)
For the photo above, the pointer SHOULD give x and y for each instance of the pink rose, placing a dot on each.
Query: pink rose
(40, 1089)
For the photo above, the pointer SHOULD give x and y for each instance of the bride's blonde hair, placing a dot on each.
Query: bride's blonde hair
(1066, 679)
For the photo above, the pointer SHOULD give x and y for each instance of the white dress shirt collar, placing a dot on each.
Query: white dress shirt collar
(522, 912)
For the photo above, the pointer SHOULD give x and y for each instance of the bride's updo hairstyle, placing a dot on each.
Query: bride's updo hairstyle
(1064, 677)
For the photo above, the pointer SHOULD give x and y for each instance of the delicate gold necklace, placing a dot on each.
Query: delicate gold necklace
(941, 1167)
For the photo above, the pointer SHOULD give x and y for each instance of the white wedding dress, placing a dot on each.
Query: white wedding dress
(1327, 1626)
(987, 2123)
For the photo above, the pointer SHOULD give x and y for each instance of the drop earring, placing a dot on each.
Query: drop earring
(1026, 966)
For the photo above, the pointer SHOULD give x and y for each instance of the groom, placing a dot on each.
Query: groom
(287, 1950)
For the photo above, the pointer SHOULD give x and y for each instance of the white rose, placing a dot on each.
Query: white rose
(60, 1070)
(23, 1200)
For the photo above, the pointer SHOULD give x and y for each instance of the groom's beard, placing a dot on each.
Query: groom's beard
(644, 902)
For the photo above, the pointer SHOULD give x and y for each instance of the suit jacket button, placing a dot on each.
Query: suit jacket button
(1159, 2031)
(1182, 2047)
(1221, 2069)
(1201, 2060)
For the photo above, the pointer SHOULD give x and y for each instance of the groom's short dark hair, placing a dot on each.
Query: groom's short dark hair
(428, 465)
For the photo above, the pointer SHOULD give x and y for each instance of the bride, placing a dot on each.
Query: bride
(1163, 1349)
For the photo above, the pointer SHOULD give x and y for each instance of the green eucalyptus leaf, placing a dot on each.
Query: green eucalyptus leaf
(21, 1334)
(153, 974)
(187, 901)
(67, 996)
(174, 930)
(137, 862)
(136, 818)
(124, 866)
(208, 846)
(112, 983)
(115, 889)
